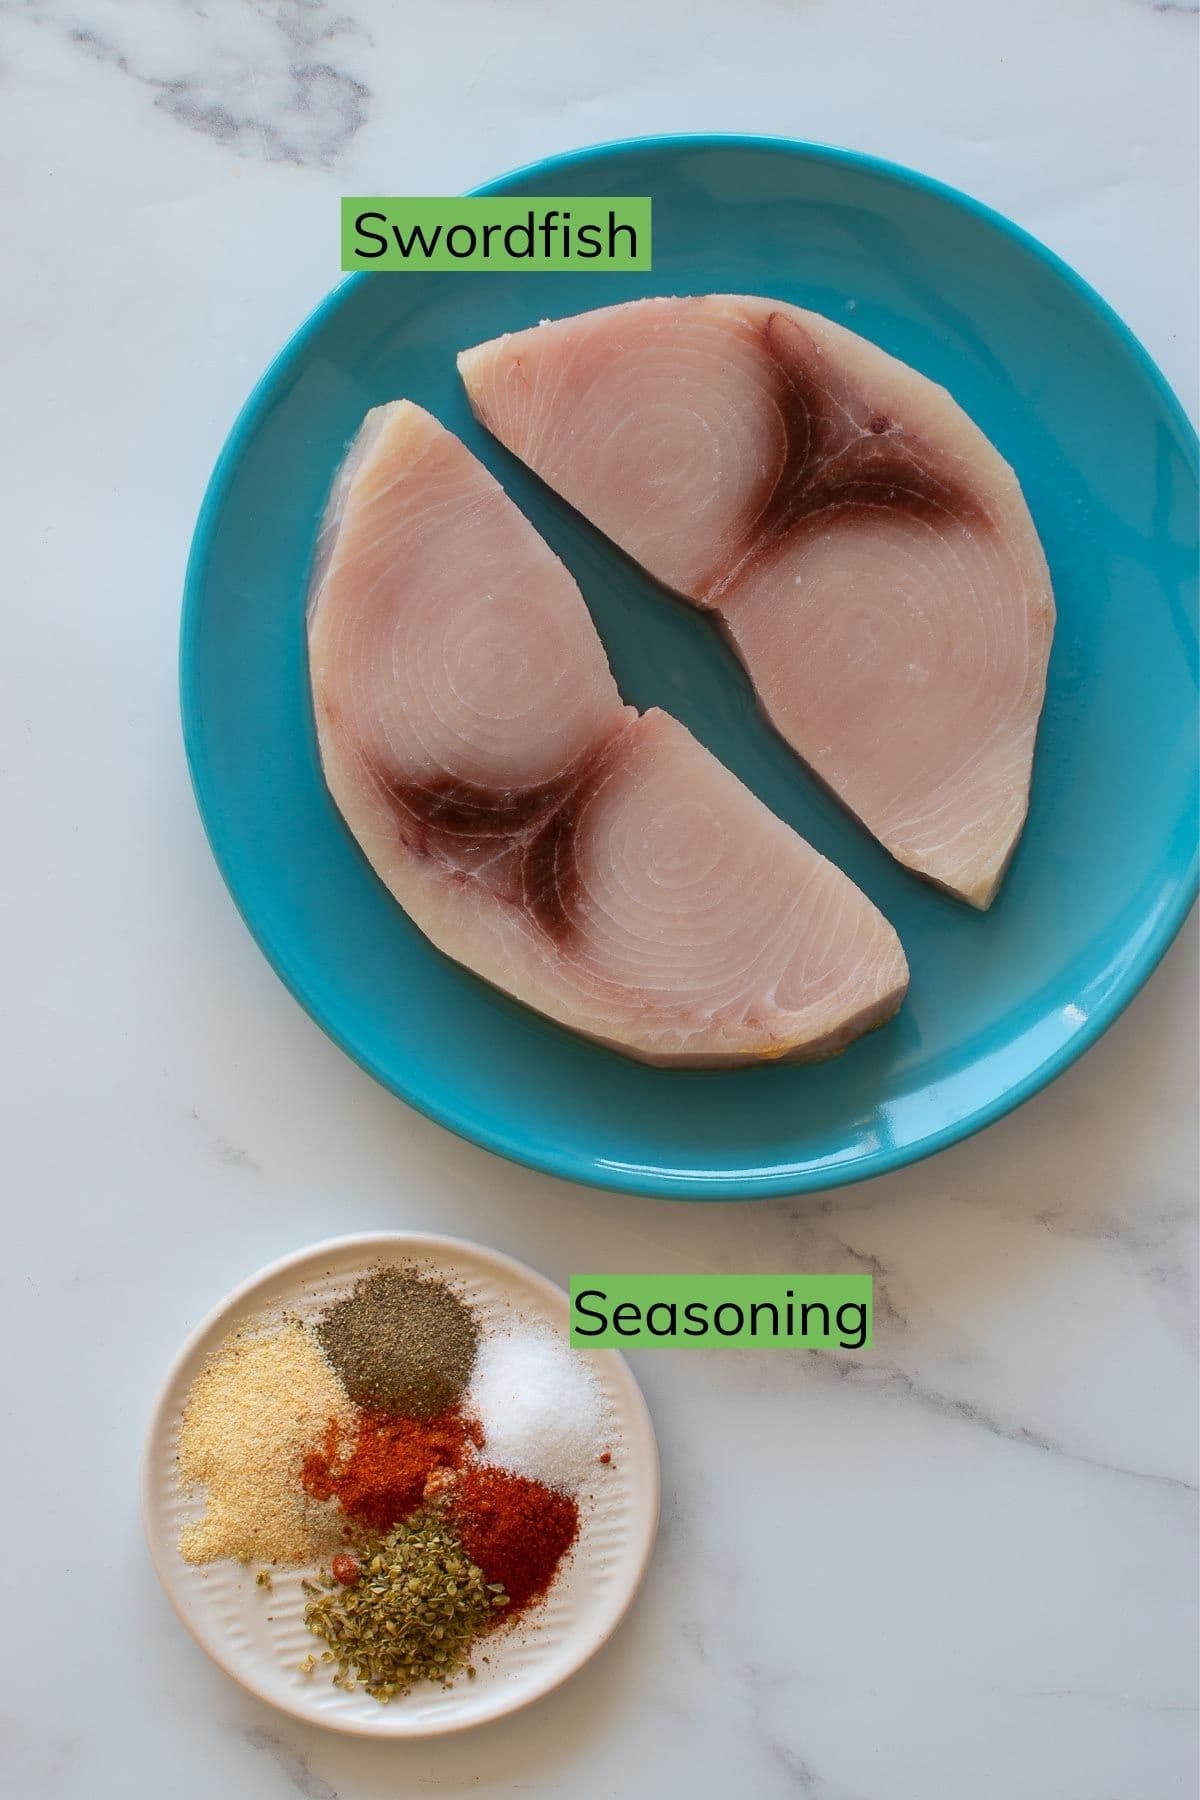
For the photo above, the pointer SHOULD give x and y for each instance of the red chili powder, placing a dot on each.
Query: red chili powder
(379, 1476)
(516, 1530)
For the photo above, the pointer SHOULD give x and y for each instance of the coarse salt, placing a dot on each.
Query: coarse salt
(540, 1406)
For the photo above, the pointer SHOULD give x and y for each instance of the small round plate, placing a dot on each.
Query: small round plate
(1000, 1002)
(260, 1639)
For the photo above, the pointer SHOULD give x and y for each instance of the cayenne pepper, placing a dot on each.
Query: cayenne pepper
(380, 1477)
(346, 1569)
(515, 1529)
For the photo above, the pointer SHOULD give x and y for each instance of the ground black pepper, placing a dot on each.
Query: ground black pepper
(402, 1344)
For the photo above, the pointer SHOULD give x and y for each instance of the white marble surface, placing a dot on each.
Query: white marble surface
(960, 1566)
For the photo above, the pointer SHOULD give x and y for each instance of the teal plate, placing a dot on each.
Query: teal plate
(1000, 1002)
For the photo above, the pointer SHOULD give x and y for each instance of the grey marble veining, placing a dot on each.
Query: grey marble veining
(266, 78)
(291, 1762)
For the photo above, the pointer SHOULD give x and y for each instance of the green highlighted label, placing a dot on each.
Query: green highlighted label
(768, 1312)
(480, 233)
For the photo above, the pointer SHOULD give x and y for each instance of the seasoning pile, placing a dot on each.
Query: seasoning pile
(429, 1473)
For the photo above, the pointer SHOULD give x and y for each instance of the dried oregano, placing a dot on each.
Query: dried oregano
(412, 1615)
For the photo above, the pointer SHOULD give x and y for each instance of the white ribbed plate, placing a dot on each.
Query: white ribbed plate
(259, 1638)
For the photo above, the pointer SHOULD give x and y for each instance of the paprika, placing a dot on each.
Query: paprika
(516, 1530)
(379, 1476)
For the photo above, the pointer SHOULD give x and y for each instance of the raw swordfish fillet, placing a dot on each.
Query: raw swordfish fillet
(600, 866)
(865, 548)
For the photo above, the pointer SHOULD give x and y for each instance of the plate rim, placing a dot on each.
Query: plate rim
(423, 1244)
(581, 1166)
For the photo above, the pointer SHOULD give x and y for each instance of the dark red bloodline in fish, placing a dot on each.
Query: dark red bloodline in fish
(551, 881)
(839, 457)
(450, 820)
(470, 810)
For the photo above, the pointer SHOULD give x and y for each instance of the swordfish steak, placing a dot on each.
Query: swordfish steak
(865, 548)
(600, 866)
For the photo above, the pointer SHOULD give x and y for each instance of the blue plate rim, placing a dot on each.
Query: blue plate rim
(674, 1184)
